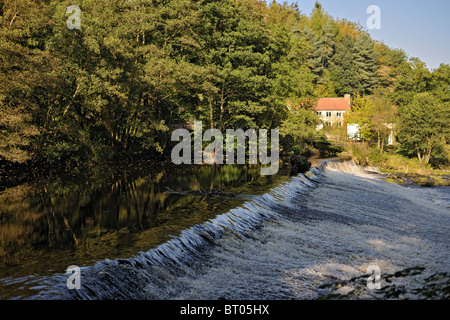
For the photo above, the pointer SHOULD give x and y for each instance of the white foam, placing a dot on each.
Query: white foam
(366, 223)
(291, 243)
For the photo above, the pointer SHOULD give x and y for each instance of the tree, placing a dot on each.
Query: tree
(125, 74)
(322, 47)
(376, 116)
(298, 129)
(440, 82)
(343, 71)
(424, 125)
(25, 76)
(353, 66)
(113, 88)
(293, 77)
(389, 60)
(241, 52)
(412, 77)
(365, 63)
(384, 118)
(363, 112)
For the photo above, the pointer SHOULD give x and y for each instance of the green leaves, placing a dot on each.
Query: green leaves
(363, 114)
(115, 86)
(298, 129)
(424, 126)
(25, 75)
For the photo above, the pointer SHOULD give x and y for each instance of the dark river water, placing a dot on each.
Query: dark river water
(50, 223)
(312, 236)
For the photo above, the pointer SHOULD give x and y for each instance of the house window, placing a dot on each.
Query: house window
(339, 124)
(328, 124)
(338, 114)
(319, 113)
(328, 114)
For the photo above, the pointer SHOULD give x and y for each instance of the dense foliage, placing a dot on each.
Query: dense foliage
(116, 87)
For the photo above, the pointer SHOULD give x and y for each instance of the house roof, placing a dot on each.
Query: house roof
(332, 104)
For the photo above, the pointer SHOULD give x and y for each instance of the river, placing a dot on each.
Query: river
(312, 236)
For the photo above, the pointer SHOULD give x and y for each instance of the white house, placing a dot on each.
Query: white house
(332, 110)
(332, 113)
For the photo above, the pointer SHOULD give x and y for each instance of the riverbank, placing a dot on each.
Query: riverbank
(399, 169)
(418, 179)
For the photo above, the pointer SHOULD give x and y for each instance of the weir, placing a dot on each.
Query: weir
(311, 237)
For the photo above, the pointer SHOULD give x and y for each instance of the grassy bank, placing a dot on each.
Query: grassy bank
(401, 169)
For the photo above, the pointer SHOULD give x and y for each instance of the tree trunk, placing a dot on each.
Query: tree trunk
(428, 156)
(378, 142)
(211, 119)
(222, 104)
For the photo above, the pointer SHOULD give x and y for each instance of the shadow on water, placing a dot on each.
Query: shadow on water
(48, 224)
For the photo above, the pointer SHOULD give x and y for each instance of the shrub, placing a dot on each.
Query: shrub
(359, 151)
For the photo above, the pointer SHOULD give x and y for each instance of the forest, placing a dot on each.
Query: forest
(115, 88)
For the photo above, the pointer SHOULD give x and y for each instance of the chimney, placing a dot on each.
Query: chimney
(347, 97)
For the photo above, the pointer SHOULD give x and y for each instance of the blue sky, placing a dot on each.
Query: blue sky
(421, 28)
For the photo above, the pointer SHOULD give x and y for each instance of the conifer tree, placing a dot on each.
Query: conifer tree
(343, 70)
(365, 62)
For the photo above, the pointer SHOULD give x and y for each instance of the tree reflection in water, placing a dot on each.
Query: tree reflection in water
(48, 225)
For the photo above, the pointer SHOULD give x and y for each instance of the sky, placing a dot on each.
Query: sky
(420, 27)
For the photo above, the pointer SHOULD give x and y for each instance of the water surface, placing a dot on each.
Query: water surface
(312, 236)
(49, 223)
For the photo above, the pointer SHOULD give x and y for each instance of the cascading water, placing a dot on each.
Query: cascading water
(312, 237)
